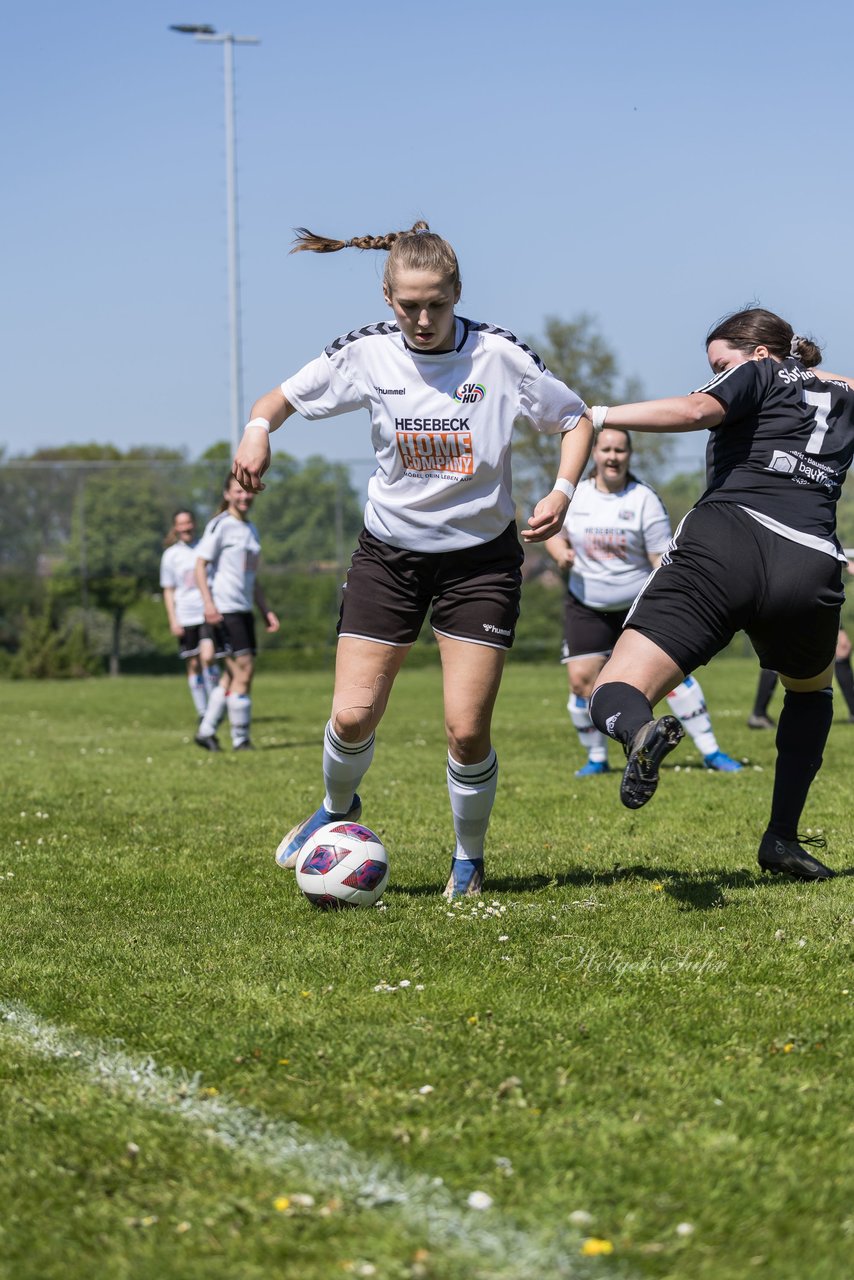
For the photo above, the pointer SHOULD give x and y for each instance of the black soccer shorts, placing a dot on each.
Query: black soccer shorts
(725, 572)
(189, 642)
(474, 592)
(235, 635)
(589, 633)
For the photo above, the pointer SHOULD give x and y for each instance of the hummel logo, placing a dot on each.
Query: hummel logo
(496, 631)
(610, 722)
(390, 391)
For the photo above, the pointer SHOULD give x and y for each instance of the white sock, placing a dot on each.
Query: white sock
(198, 693)
(239, 717)
(472, 791)
(593, 742)
(687, 702)
(344, 766)
(211, 677)
(214, 713)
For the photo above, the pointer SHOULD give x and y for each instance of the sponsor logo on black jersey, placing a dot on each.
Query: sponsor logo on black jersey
(783, 462)
(390, 391)
(469, 392)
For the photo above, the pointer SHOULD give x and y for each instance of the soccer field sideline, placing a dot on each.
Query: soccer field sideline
(483, 1235)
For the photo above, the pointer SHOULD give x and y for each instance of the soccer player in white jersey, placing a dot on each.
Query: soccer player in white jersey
(615, 531)
(226, 568)
(758, 553)
(440, 533)
(185, 608)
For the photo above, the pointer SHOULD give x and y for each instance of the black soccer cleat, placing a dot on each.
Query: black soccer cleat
(652, 742)
(245, 745)
(207, 743)
(787, 857)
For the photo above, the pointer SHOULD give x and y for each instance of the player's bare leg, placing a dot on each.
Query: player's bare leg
(239, 700)
(471, 675)
(582, 674)
(365, 671)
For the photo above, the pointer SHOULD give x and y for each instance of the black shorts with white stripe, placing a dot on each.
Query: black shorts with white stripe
(725, 572)
(589, 633)
(235, 635)
(190, 640)
(474, 592)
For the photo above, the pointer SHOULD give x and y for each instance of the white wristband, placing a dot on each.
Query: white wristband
(598, 412)
(564, 486)
(258, 422)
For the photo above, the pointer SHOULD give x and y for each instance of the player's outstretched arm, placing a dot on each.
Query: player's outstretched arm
(696, 412)
(253, 454)
(550, 512)
(824, 376)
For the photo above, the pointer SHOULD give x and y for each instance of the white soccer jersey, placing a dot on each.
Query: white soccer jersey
(232, 549)
(441, 426)
(613, 535)
(178, 571)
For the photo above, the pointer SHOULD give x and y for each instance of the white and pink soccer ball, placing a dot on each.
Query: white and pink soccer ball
(342, 865)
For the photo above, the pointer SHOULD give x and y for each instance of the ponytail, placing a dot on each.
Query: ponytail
(418, 249)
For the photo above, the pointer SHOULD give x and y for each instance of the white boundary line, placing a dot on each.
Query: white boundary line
(501, 1249)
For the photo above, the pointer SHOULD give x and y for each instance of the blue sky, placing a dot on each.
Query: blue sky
(655, 165)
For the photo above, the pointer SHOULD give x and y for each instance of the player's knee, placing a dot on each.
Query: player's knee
(581, 685)
(357, 710)
(467, 744)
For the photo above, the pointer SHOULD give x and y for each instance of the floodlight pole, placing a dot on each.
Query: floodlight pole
(208, 35)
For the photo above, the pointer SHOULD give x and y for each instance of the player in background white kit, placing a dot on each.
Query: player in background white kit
(185, 608)
(615, 532)
(226, 567)
(440, 532)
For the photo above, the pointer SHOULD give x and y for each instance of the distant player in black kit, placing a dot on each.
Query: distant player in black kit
(758, 552)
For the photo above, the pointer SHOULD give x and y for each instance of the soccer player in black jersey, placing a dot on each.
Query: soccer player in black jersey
(758, 552)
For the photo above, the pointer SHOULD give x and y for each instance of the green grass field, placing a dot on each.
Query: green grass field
(640, 1055)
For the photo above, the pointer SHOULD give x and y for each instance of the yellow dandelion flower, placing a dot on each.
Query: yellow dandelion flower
(593, 1247)
(281, 1203)
(210, 1092)
(283, 1062)
(657, 887)
(473, 1020)
(305, 994)
(788, 1046)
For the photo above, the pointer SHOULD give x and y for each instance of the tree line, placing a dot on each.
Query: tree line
(82, 530)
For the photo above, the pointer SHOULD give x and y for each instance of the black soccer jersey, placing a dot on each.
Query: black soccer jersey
(783, 448)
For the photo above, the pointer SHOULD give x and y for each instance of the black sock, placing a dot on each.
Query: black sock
(619, 710)
(764, 689)
(801, 734)
(845, 680)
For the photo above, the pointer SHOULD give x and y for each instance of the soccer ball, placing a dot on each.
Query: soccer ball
(342, 865)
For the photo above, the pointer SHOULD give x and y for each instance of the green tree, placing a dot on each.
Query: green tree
(576, 352)
(308, 515)
(113, 553)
